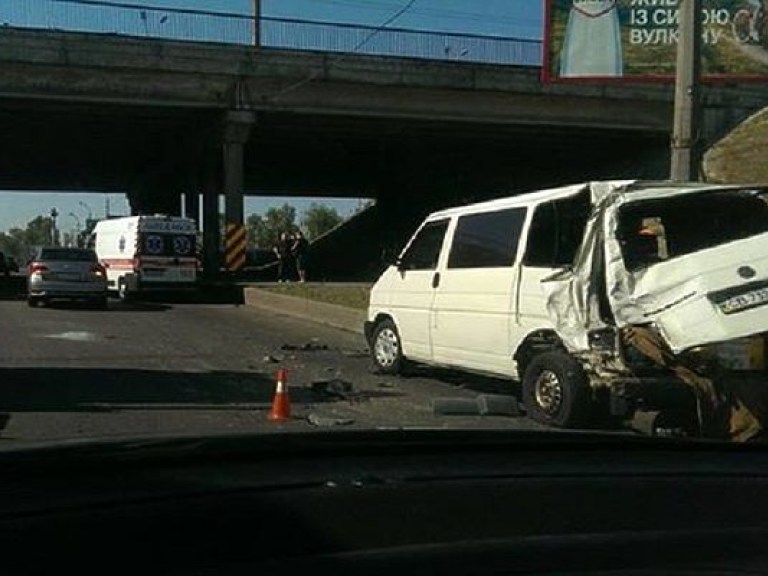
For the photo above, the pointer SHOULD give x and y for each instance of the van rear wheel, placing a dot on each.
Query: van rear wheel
(556, 390)
(386, 349)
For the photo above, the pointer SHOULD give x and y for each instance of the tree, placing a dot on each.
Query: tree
(263, 231)
(20, 243)
(39, 230)
(319, 219)
(12, 243)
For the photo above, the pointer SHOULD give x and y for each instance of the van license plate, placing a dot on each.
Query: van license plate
(744, 301)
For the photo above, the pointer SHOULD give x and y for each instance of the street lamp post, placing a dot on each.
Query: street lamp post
(77, 228)
(686, 149)
(54, 215)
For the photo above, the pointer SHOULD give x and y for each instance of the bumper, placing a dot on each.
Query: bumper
(67, 295)
(66, 290)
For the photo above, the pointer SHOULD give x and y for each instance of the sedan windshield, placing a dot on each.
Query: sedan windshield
(68, 254)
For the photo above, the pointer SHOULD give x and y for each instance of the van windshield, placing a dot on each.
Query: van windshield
(652, 231)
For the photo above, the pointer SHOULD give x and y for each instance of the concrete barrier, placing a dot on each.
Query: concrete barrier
(350, 319)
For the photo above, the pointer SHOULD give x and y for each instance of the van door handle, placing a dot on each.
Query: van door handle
(436, 280)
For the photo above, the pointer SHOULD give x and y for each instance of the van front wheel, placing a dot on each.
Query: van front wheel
(386, 349)
(556, 390)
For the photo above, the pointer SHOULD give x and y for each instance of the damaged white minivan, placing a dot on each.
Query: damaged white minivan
(540, 287)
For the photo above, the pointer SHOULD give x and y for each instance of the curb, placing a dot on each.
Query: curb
(349, 319)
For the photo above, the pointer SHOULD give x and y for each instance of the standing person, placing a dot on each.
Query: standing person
(282, 250)
(300, 250)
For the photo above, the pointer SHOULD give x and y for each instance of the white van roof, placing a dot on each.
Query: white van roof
(641, 189)
(153, 222)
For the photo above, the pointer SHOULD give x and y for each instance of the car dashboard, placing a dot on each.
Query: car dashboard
(385, 503)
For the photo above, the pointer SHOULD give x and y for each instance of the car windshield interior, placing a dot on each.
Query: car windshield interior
(383, 287)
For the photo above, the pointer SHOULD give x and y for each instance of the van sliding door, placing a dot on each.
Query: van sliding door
(474, 301)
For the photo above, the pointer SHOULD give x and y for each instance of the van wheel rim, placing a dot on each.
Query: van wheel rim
(548, 392)
(387, 347)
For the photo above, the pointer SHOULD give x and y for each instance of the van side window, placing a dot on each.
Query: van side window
(487, 240)
(424, 251)
(556, 231)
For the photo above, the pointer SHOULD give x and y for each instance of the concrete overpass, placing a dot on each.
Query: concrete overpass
(157, 117)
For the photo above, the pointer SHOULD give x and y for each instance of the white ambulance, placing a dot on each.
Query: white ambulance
(147, 253)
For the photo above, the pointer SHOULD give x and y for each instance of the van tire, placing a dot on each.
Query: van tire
(556, 390)
(386, 348)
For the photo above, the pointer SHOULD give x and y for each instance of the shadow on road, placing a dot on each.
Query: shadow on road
(103, 390)
(207, 293)
(475, 382)
(112, 306)
(13, 288)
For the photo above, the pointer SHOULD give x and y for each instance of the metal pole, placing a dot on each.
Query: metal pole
(685, 147)
(54, 214)
(257, 23)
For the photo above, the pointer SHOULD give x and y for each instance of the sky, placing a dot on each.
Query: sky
(507, 18)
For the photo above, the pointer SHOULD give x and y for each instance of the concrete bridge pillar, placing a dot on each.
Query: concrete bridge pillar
(211, 218)
(192, 205)
(236, 130)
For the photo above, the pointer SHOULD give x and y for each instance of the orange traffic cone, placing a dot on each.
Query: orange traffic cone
(281, 403)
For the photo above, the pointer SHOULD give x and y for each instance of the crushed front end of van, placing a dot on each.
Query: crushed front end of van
(670, 285)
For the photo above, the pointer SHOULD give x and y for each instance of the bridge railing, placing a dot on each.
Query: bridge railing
(402, 42)
(145, 21)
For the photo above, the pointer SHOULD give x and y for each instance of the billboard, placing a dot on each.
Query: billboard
(637, 40)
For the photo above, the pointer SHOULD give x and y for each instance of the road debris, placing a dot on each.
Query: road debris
(326, 421)
(308, 347)
(482, 405)
(338, 389)
(498, 405)
(269, 359)
(656, 423)
(362, 353)
(455, 406)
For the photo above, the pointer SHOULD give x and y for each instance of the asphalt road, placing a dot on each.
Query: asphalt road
(68, 372)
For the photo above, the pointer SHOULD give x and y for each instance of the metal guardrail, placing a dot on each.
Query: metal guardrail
(401, 42)
(146, 21)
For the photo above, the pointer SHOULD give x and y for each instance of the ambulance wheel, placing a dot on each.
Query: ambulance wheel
(122, 291)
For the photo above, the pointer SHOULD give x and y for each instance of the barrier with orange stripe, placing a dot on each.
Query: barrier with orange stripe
(235, 242)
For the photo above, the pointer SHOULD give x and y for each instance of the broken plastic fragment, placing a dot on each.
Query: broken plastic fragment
(316, 420)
